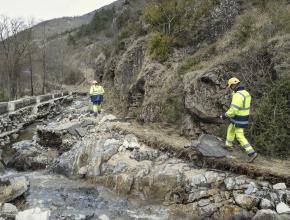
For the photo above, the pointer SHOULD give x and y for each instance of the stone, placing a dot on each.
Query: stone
(13, 188)
(232, 212)
(103, 217)
(251, 189)
(197, 195)
(108, 118)
(81, 132)
(203, 202)
(282, 208)
(211, 146)
(230, 183)
(131, 142)
(246, 201)
(266, 214)
(266, 204)
(124, 183)
(33, 214)
(197, 180)
(83, 170)
(8, 210)
(280, 186)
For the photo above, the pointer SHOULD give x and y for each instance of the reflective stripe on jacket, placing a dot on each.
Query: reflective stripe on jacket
(239, 111)
(97, 90)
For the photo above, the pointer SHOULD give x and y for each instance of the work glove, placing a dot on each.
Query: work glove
(223, 116)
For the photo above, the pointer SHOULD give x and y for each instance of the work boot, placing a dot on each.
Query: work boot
(99, 111)
(95, 114)
(252, 158)
(228, 148)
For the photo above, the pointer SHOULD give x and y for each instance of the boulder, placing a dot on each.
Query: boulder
(266, 214)
(280, 186)
(33, 214)
(210, 146)
(8, 211)
(131, 142)
(282, 208)
(232, 212)
(246, 201)
(12, 188)
(266, 204)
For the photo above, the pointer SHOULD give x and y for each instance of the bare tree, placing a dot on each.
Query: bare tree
(31, 50)
(43, 53)
(13, 43)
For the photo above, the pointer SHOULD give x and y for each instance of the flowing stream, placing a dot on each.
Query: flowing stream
(77, 199)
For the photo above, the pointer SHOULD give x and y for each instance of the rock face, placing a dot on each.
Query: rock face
(119, 161)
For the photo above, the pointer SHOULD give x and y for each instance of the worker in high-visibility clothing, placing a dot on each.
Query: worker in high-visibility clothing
(238, 114)
(96, 93)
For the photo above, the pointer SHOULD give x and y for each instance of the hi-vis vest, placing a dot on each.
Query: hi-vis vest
(97, 90)
(239, 111)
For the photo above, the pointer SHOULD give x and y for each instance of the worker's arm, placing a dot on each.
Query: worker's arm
(91, 91)
(103, 91)
(237, 102)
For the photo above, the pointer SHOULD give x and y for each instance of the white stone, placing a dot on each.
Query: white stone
(104, 217)
(230, 183)
(33, 214)
(83, 170)
(131, 142)
(266, 204)
(9, 209)
(280, 186)
(198, 180)
(282, 208)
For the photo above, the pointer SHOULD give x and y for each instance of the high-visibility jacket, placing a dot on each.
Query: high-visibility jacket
(239, 112)
(97, 90)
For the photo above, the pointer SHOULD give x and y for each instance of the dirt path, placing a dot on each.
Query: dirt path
(264, 168)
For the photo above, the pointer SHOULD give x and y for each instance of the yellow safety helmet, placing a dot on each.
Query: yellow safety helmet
(94, 82)
(233, 81)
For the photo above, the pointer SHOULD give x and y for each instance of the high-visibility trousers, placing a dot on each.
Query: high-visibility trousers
(239, 134)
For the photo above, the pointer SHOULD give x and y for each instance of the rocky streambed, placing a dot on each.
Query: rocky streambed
(80, 167)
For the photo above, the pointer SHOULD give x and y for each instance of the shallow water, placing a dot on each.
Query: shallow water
(75, 199)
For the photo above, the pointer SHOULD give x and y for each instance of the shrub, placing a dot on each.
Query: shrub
(160, 47)
(280, 16)
(71, 40)
(173, 110)
(245, 27)
(271, 127)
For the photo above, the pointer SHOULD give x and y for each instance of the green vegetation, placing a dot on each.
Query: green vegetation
(271, 128)
(176, 19)
(173, 110)
(100, 21)
(245, 28)
(160, 47)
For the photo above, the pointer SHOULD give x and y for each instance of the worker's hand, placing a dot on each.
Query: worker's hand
(223, 117)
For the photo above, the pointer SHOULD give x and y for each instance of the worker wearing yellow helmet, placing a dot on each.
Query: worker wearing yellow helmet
(96, 93)
(238, 114)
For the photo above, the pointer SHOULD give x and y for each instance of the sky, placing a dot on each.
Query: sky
(48, 9)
